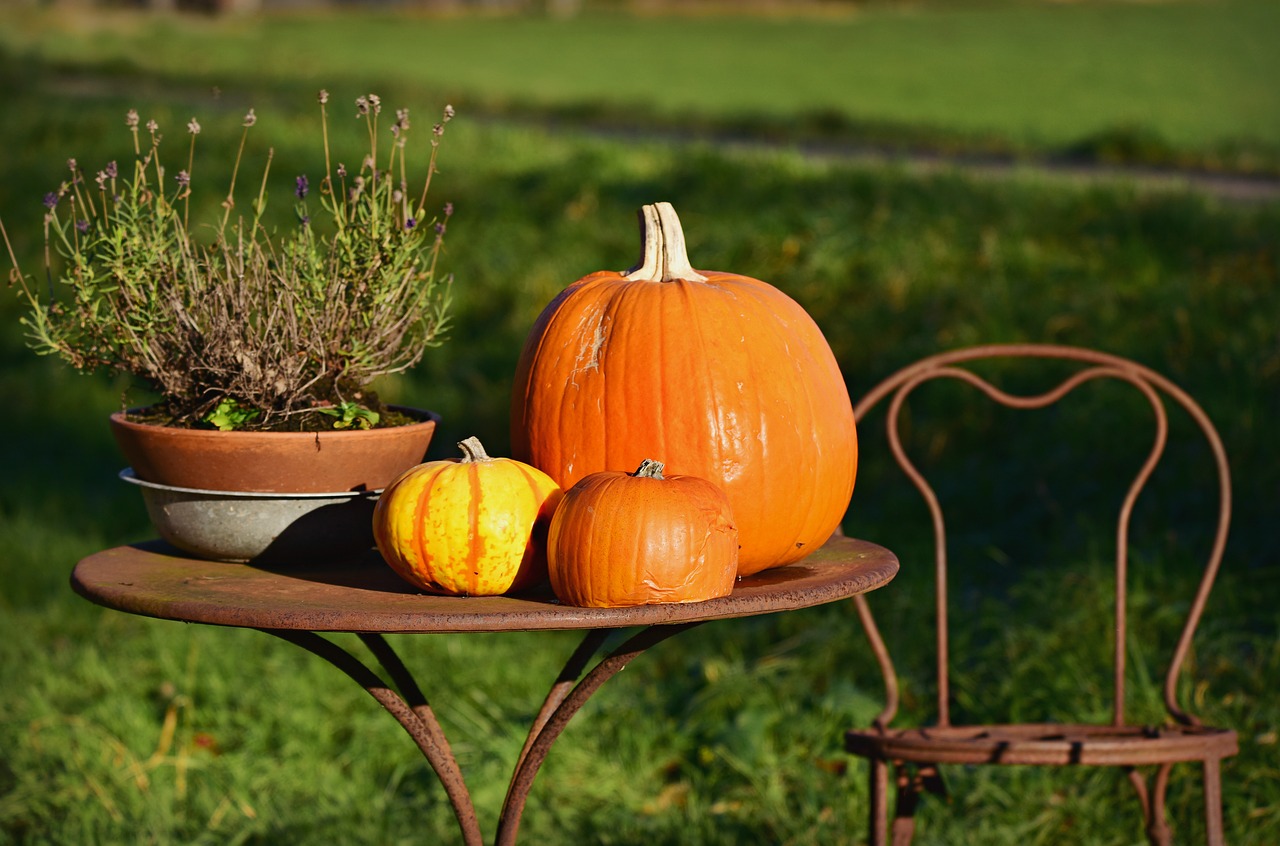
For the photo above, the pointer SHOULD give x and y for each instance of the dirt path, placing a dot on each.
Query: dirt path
(1228, 187)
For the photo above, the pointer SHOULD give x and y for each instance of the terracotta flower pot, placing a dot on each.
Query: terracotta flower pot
(273, 462)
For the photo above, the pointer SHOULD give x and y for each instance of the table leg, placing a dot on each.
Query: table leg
(568, 694)
(562, 702)
(415, 715)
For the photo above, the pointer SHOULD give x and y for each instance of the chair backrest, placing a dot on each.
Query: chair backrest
(1088, 365)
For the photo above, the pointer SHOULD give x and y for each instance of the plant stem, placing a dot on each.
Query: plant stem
(260, 205)
(230, 202)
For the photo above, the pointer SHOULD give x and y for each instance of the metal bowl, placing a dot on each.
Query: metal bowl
(260, 527)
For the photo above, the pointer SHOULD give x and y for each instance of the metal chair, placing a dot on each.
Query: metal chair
(914, 755)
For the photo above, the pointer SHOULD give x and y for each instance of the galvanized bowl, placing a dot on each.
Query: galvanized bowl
(276, 528)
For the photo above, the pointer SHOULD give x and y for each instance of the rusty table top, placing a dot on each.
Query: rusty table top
(367, 596)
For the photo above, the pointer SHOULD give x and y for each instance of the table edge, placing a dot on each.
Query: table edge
(748, 599)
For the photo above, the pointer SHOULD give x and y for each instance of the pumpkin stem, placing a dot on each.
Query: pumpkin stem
(650, 469)
(664, 256)
(472, 450)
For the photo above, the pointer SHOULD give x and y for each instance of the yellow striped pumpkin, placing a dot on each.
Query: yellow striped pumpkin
(474, 526)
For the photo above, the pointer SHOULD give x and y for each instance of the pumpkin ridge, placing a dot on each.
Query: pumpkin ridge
(475, 537)
(783, 313)
(535, 491)
(758, 423)
(611, 308)
(422, 513)
(767, 299)
(714, 422)
(596, 302)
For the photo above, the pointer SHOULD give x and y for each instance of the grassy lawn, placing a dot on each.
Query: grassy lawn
(1184, 81)
(116, 729)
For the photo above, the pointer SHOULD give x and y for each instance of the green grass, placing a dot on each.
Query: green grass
(1186, 81)
(729, 735)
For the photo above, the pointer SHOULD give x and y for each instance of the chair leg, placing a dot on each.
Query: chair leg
(878, 817)
(1213, 803)
(1158, 833)
(904, 811)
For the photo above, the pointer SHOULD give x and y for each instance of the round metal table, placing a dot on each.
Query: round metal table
(366, 597)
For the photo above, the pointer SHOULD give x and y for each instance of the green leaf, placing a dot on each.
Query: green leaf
(352, 415)
(229, 415)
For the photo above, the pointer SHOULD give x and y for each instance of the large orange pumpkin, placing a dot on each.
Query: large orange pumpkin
(620, 539)
(724, 373)
(475, 526)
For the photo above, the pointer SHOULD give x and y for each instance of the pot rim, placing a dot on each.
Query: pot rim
(120, 418)
(129, 476)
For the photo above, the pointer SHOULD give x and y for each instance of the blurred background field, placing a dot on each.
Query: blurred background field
(116, 729)
(1165, 82)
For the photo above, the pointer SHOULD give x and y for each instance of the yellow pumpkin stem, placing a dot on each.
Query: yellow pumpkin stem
(650, 469)
(664, 256)
(472, 450)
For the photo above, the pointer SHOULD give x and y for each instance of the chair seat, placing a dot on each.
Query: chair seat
(1044, 744)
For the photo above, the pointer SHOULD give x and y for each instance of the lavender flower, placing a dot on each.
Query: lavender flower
(99, 237)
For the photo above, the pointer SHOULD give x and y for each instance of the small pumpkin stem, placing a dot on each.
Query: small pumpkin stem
(472, 450)
(650, 469)
(664, 256)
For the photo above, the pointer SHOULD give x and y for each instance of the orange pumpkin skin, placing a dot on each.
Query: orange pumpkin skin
(728, 375)
(619, 539)
(470, 527)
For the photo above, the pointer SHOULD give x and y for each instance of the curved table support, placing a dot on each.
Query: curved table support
(410, 708)
(417, 718)
(560, 706)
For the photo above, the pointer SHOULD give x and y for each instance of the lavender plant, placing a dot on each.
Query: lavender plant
(249, 328)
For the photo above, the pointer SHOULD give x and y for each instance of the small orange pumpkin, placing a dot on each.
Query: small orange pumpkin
(474, 526)
(620, 539)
